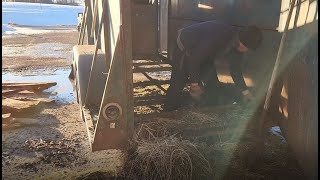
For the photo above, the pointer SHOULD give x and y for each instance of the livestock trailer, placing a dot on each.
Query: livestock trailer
(115, 33)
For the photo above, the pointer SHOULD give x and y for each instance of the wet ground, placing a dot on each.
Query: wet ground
(62, 92)
(52, 138)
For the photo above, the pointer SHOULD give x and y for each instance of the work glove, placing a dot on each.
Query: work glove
(196, 91)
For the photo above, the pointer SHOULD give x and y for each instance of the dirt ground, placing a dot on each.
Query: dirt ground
(51, 138)
(15, 58)
(51, 141)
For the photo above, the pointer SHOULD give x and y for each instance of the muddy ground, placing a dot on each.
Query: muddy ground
(51, 141)
(38, 51)
(51, 138)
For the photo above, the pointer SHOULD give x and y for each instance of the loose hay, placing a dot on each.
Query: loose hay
(154, 154)
(166, 158)
(195, 122)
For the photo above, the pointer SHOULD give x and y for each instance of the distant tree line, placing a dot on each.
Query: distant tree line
(64, 2)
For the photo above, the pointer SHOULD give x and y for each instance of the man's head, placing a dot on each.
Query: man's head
(249, 38)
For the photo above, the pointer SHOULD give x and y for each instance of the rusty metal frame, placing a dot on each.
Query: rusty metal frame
(115, 121)
(112, 125)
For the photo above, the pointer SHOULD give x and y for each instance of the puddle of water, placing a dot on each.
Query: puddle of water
(62, 92)
(275, 130)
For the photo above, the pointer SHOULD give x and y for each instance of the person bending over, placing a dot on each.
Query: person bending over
(197, 48)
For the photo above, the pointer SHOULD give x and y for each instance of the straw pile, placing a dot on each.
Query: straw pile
(162, 156)
(159, 149)
(195, 122)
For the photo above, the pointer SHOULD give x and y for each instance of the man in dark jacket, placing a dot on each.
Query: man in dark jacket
(197, 47)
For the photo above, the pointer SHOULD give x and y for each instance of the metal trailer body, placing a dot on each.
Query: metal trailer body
(116, 32)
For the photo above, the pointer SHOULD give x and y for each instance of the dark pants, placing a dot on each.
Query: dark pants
(179, 77)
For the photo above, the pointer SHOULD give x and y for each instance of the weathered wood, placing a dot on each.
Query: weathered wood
(25, 92)
(83, 24)
(114, 132)
(9, 91)
(29, 86)
(13, 105)
(95, 16)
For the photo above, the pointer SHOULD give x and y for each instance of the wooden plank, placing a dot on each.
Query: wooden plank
(9, 91)
(95, 16)
(13, 105)
(25, 83)
(25, 92)
(29, 86)
(15, 92)
(127, 38)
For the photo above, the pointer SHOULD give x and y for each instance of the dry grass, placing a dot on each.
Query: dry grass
(158, 151)
(160, 156)
(195, 122)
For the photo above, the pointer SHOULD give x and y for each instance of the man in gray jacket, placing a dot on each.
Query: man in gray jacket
(197, 47)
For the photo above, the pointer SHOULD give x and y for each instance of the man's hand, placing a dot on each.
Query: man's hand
(196, 91)
(247, 96)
